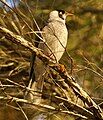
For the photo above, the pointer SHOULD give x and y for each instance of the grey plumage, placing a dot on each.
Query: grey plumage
(54, 42)
(55, 35)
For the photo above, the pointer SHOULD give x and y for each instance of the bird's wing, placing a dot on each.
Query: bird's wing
(33, 58)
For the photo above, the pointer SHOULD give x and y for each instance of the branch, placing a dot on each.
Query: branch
(70, 105)
(70, 81)
(50, 108)
(21, 41)
(63, 73)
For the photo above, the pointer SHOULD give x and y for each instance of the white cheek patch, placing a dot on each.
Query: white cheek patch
(64, 16)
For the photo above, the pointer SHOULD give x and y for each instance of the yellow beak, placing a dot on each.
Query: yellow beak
(69, 14)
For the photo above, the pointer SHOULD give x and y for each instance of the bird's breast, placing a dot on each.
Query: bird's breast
(55, 35)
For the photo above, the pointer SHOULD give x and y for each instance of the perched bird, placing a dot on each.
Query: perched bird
(54, 42)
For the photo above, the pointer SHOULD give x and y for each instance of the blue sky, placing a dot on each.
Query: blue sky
(11, 3)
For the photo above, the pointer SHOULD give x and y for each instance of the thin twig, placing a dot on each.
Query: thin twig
(50, 108)
(22, 111)
(68, 79)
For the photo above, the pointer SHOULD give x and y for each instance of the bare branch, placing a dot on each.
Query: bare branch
(70, 81)
(39, 105)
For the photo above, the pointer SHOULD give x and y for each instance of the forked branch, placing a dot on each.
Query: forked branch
(69, 80)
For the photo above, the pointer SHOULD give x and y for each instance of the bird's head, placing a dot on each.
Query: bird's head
(59, 15)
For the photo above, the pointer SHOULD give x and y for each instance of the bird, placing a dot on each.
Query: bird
(54, 40)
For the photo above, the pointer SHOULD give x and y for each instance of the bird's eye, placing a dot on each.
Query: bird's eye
(60, 13)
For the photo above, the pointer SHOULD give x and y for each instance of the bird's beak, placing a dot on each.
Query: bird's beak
(69, 14)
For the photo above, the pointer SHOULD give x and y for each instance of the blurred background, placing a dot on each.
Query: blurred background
(85, 42)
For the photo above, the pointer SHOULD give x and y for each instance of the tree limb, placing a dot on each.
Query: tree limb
(63, 73)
